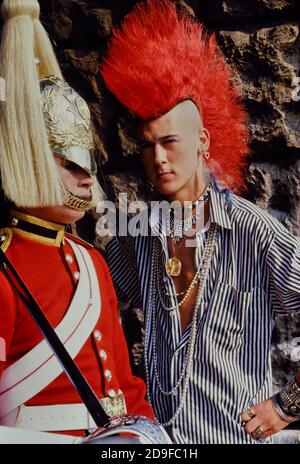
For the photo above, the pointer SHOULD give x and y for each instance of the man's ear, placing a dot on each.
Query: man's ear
(204, 137)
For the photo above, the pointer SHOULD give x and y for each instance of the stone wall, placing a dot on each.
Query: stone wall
(261, 41)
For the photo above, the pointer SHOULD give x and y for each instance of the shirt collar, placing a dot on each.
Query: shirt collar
(220, 207)
(220, 204)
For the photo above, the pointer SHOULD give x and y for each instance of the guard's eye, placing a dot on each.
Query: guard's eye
(70, 166)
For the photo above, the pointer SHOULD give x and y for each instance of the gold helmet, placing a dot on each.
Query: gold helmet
(42, 115)
(68, 126)
(68, 123)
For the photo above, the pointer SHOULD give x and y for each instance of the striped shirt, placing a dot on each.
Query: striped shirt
(254, 274)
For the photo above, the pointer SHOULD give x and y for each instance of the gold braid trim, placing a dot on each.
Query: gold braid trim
(77, 203)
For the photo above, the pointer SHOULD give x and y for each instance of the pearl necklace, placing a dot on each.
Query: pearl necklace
(187, 367)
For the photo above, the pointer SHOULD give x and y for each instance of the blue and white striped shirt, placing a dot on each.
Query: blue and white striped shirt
(254, 274)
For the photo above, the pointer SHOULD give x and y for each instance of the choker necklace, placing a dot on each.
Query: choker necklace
(179, 227)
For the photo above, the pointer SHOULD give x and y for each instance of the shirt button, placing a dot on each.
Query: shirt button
(97, 335)
(108, 375)
(103, 355)
(111, 393)
(69, 258)
(76, 275)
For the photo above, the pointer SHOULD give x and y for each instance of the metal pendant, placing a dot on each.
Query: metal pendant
(173, 267)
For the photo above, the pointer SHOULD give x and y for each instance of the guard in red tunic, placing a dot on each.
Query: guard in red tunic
(42, 117)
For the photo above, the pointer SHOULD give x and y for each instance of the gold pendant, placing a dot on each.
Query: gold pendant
(173, 267)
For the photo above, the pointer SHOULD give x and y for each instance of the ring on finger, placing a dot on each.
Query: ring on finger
(251, 413)
(258, 431)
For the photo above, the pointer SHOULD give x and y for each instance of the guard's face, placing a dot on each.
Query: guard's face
(171, 148)
(78, 182)
(74, 178)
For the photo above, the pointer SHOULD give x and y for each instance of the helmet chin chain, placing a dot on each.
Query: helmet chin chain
(74, 202)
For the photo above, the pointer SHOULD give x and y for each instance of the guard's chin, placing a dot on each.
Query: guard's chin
(78, 203)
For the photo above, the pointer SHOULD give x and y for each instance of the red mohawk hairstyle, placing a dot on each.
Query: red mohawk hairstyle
(159, 58)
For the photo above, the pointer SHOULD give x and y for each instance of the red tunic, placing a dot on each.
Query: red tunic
(50, 274)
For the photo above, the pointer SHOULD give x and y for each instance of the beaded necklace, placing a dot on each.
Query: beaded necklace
(185, 375)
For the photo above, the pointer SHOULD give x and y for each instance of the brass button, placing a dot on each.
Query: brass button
(111, 393)
(14, 221)
(103, 355)
(97, 335)
(69, 258)
(108, 375)
(76, 275)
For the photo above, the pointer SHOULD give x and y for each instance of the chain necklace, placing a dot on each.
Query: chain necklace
(188, 361)
(179, 293)
(177, 230)
(208, 248)
(186, 292)
(201, 198)
(187, 289)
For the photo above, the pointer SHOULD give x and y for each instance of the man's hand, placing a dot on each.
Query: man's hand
(262, 420)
